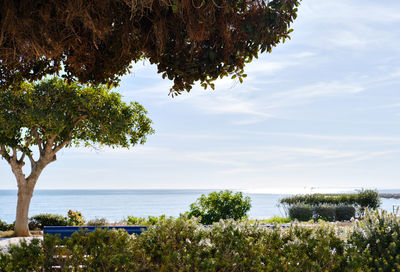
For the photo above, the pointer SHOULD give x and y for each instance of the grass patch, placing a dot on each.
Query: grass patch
(274, 219)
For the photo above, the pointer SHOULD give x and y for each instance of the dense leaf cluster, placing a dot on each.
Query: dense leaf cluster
(37, 222)
(60, 114)
(220, 205)
(184, 245)
(96, 41)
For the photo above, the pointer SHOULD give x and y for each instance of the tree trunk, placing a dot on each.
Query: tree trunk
(25, 192)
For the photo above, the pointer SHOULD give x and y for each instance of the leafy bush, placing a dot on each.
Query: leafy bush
(375, 242)
(345, 212)
(325, 212)
(23, 257)
(185, 245)
(101, 250)
(74, 218)
(220, 205)
(301, 212)
(97, 222)
(143, 221)
(4, 226)
(46, 219)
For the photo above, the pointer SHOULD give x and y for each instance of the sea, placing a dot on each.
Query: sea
(117, 205)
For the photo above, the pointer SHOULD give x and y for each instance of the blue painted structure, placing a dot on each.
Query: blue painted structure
(67, 231)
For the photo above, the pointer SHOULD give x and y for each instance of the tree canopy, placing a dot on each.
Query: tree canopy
(96, 41)
(54, 113)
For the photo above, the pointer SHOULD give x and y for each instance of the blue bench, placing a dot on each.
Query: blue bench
(67, 231)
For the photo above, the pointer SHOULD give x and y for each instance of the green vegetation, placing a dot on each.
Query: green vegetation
(326, 212)
(365, 199)
(330, 207)
(220, 205)
(276, 219)
(4, 226)
(185, 245)
(74, 218)
(97, 222)
(97, 41)
(51, 115)
(38, 222)
(143, 221)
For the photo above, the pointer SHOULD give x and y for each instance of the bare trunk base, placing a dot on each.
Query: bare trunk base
(21, 228)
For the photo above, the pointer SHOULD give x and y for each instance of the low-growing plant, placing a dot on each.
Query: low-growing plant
(97, 222)
(46, 219)
(23, 257)
(220, 205)
(4, 226)
(375, 242)
(143, 221)
(74, 218)
(301, 212)
(325, 212)
(345, 212)
(277, 219)
(364, 199)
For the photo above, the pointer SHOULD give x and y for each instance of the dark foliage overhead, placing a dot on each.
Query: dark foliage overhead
(95, 41)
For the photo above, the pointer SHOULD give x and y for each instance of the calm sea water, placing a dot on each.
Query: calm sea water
(118, 204)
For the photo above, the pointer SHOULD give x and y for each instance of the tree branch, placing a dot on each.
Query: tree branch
(60, 146)
(4, 153)
(35, 134)
(33, 162)
(14, 156)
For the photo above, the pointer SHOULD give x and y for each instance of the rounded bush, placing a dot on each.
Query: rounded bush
(301, 212)
(4, 226)
(220, 205)
(325, 212)
(38, 222)
(345, 212)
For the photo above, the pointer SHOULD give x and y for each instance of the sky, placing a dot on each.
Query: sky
(321, 112)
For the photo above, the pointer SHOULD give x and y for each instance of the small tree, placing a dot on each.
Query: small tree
(220, 205)
(52, 115)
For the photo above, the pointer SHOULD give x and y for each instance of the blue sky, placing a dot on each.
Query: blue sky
(322, 110)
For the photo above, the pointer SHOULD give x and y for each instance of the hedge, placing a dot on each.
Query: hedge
(306, 212)
(185, 245)
(46, 219)
(365, 199)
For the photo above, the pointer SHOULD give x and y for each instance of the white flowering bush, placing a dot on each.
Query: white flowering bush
(375, 242)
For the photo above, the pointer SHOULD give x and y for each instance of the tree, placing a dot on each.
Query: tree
(220, 205)
(52, 115)
(95, 41)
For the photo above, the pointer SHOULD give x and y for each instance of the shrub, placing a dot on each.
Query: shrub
(325, 212)
(301, 212)
(375, 242)
(97, 222)
(364, 199)
(74, 218)
(368, 199)
(23, 257)
(184, 245)
(220, 205)
(4, 226)
(345, 212)
(46, 219)
(142, 221)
